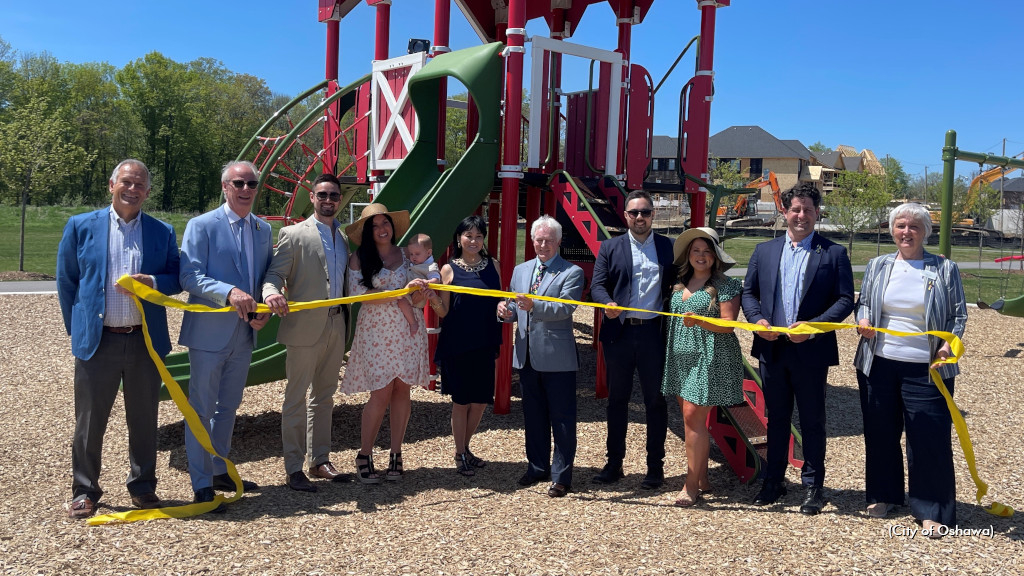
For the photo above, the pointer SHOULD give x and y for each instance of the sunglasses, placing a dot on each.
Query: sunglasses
(644, 213)
(335, 196)
(251, 184)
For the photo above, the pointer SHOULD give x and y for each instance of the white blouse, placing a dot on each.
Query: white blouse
(903, 309)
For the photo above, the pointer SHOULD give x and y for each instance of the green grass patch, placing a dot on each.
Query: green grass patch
(44, 226)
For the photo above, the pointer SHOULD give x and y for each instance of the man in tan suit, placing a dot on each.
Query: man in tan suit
(309, 264)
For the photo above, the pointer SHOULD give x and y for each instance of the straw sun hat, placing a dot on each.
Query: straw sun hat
(400, 218)
(682, 246)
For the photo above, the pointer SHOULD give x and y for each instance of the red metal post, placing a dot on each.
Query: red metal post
(698, 123)
(382, 35)
(442, 25)
(332, 127)
(625, 25)
(383, 30)
(516, 33)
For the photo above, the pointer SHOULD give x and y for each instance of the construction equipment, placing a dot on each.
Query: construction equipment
(962, 214)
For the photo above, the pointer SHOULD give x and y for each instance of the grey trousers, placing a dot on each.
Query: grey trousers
(120, 357)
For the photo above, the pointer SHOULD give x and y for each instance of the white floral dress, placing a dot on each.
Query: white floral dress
(382, 349)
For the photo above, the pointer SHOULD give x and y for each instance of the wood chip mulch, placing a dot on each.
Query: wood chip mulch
(437, 522)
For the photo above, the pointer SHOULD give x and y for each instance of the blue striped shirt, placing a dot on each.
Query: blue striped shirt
(646, 281)
(124, 256)
(792, 267)
(336, 256)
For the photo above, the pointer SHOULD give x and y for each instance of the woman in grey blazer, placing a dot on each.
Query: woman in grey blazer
(913, 291)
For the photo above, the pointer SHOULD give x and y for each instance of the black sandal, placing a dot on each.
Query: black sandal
(473, 460)
(462, 465)
(364, 469)
(395, 469)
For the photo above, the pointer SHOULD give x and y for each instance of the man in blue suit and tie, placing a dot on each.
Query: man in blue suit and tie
(796, 278)
(545, 355)
(224, 258)
(635, 270)
(105, 325)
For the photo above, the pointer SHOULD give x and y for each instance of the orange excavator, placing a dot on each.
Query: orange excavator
(739, 210)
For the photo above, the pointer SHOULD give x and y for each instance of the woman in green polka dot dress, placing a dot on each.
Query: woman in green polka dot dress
(703, 367)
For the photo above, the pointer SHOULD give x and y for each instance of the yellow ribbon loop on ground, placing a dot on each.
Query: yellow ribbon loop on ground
(192, 420)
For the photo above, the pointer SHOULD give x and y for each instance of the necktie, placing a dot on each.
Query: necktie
(244, 256)
(540, 276)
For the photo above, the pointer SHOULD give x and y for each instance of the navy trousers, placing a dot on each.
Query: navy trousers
(640, 348)
(789, 378)
(897, 396)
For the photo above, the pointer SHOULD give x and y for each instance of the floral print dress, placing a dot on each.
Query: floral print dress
(382, 348)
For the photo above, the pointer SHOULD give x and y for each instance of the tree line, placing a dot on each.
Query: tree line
(64, 126)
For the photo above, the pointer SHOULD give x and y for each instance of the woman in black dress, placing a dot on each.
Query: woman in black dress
(470, 337)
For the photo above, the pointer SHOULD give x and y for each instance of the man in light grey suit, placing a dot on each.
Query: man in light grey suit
(224, 257)
(310, 263)
(545, 355)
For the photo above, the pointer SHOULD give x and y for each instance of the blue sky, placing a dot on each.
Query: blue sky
(887, 75)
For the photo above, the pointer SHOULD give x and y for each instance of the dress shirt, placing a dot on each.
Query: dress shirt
(124, 256)
(792, 267)
(336, 259)
(247, 239)
(645, 291)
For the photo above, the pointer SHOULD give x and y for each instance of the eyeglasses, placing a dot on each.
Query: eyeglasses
(335, 196)
(635, 213)
(251, 184)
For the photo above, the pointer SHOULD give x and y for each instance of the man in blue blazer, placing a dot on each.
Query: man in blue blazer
(97, 248)
(224, 258)
(545, 355)
(796, 278)
(634, 270)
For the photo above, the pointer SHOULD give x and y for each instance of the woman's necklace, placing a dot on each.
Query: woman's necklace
(476, 267)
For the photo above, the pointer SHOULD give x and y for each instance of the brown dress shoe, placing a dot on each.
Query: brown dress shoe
(327, 471)
(558, 490)
(146, 501)
(82, 508)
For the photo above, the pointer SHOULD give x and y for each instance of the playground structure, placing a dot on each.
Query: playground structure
(577, 156)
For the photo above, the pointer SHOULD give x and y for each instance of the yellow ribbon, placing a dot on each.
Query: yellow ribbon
(145, 292)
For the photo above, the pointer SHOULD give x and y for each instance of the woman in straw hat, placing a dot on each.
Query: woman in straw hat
(385, 360)
(703, 365)
(470, 337)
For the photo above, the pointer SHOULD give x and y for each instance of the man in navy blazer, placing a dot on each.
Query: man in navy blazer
(224, 258)
(634, 270)
(796, 278)
(545, 355)
(97, 248)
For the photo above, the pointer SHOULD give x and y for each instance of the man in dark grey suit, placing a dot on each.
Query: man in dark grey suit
(106, 330)
(545, 355)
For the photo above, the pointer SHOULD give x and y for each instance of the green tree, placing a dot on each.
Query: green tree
(818, 147)
(92, 104)
(857, 202)
(8, 77)
(897, 182)
(36, 151)
(725, 173)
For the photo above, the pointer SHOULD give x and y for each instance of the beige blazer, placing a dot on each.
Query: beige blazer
(299, 271)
